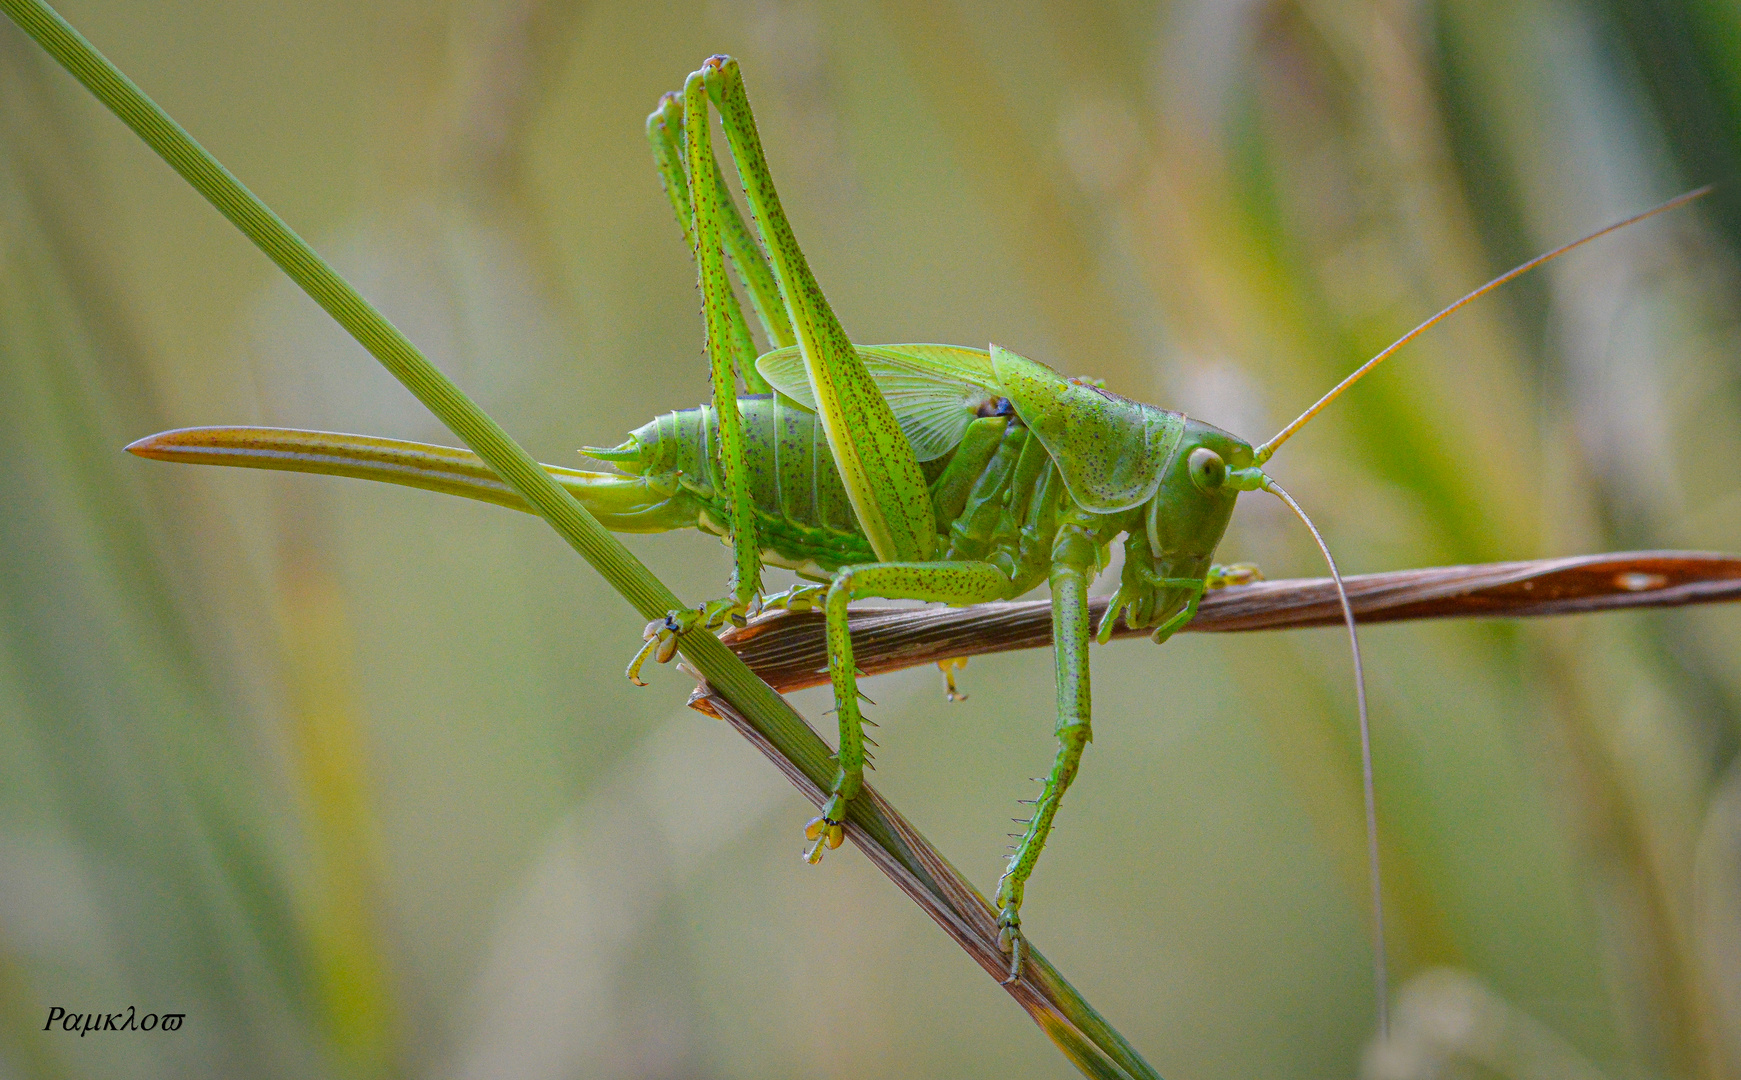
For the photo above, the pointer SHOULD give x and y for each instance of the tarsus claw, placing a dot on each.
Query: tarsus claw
(826, 832)
(1010, 940)
(651, 643)
(949, 668)
(825, 835)
(663, 635)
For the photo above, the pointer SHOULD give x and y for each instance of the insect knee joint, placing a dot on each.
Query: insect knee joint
(1074, 731)
(841, 589)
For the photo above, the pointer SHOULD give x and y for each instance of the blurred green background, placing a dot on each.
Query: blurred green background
(350, 776)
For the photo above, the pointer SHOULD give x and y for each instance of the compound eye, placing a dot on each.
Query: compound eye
(1208, 471)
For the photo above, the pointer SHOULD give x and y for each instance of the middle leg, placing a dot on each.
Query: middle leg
(1074, 557)
(956, 583)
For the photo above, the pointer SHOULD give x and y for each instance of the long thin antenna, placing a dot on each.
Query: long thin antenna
(1379, 977)
(1265, 451)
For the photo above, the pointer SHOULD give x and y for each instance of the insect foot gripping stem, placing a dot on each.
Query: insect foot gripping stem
(827, 831)
(1239, 573)
(663, 634)
(1009, 936)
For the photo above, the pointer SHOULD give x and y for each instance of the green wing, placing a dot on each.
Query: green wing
(934, 390)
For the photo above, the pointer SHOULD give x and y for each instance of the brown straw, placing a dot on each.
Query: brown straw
(787, 648)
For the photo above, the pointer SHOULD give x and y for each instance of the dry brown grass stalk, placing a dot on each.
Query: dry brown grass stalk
(787, 648)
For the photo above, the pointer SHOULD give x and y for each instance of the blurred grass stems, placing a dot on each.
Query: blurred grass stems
(109, 714)
(1091, 1044)
(1628, 818)
(344, 923)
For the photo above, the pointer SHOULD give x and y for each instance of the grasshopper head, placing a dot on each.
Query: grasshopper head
(1182, 523)
(1199, 486)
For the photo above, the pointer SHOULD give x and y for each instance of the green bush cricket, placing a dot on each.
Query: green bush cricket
(908, 471)
(1073, 487)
